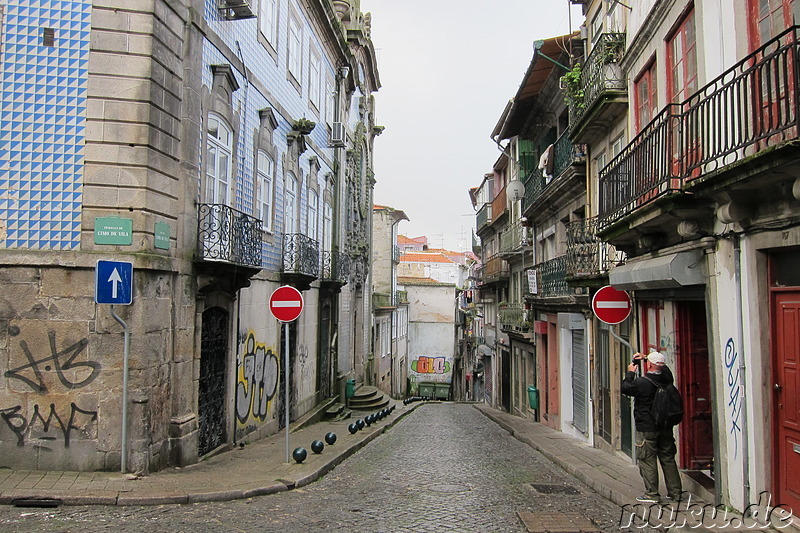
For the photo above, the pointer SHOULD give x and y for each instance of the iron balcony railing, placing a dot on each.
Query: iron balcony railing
(335, 266)
(484, 216)
(550, 279)
(512, 238)
(512, 317)
(565, 155)
(750, 107)
(226, 234)
(600, 75)
(300, 255)
(587, 255)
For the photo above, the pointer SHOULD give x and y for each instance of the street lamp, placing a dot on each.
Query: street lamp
(537, 45)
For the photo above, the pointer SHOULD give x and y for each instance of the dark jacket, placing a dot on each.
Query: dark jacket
(643, 393)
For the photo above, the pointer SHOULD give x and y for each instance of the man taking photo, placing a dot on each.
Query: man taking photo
(653, 444)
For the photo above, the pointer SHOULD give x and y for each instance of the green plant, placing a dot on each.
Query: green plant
(573, 88)
(304, 125)
(612, 51)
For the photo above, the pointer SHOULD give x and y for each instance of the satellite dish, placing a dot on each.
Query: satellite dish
(515, 189)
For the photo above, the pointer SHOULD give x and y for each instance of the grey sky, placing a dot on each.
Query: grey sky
(448, 67)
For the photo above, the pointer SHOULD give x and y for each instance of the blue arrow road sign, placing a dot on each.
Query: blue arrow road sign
(113, 282)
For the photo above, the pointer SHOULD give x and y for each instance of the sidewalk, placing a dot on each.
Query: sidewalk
(256, 469)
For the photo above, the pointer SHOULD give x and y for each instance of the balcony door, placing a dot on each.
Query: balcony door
(216, 218)
(682, 84)
(773, 89)
(290, 205)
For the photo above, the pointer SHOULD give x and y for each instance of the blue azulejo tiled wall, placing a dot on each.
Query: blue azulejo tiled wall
(42, 122)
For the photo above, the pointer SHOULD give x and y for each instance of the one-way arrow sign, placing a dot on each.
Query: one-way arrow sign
(113, 282)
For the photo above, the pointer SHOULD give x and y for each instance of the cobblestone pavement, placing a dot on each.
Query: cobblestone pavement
(445, 467)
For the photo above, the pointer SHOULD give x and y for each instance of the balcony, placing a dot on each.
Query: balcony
(513, 318)
(383, 300)
(301, 260)
(548, 279)
(588, 258)
(335, 270)
(495, 270)
(228, 246)
(567, 180)
(499, 206)
(396, 254)
(602, 90)
(708, 151)
(512, 239)
(484, 217)
(401, 297)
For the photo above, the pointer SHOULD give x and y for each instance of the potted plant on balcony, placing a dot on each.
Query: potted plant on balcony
(573, 89)
(304, 125)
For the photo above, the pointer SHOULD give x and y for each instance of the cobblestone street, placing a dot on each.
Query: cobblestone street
(445, 467)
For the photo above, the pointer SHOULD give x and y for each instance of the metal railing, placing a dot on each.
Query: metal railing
(748, 108)
(600, 74)
(534, 186)
(335, 266)
(512, 317)
(512, 238)
(228, 235)
(300, 255)
(551, 278)
(566, 154)
(588, 256)
(484, 216)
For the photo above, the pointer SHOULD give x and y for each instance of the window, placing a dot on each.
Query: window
(290, 205)
(327, 226)
(645, 95)
(268, 21)
(682, 60)
(329, 101)
(219, 151)
(295, 49)
(312, 214)
(597, 25)
(49, 37)
(313, 80)
(600, 162)
(264, 170)
(617, 145)
(770, 17)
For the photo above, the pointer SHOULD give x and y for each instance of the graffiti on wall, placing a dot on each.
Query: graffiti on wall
(732, 386)
(430, 365)
(45, 423)
(256, 385)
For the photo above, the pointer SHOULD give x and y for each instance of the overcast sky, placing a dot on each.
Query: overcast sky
(447, 69)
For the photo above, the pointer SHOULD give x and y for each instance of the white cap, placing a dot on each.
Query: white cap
(657, 358)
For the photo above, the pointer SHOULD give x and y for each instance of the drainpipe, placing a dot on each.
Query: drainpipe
(737, 262)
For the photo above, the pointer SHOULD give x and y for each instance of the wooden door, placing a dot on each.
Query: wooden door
(786, 394)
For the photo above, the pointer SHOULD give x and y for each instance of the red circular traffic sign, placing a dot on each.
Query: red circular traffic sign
(610, 305)
(286, 303)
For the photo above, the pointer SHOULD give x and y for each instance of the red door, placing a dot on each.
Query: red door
(786, 348)
(697, 437)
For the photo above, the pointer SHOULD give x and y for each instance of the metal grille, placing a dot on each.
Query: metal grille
(226, 234)
(335, 266)
(600, 74)
(300, 255)
(211, 393)
(586, 254)
(551, 278)
(579, 380)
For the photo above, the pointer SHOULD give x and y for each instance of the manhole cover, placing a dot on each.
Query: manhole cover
(554, 489)
(448, 488)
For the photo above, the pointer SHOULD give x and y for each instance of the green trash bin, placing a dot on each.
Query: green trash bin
(533, 397)
(350, 388)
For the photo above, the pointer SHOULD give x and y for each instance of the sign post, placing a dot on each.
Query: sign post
(113, 284)
(286, 304)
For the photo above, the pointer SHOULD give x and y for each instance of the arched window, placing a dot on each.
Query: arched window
(290, 204)
(219, 151)
(264, 189)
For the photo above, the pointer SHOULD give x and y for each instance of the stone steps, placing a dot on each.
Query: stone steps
(368, 398)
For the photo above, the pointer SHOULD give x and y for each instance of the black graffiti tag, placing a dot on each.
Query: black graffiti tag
(59, 364)
(20, 425)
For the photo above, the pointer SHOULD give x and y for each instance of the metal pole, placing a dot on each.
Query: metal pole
(286, 385)
(124, 451)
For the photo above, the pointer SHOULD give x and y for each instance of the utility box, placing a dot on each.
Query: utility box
(533, 397)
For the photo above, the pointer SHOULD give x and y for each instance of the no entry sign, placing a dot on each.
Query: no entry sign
(610, 305)
(286, 303)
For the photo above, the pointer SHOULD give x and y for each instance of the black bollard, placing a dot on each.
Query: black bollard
(299, 454)
(317, 446)
(330, 438)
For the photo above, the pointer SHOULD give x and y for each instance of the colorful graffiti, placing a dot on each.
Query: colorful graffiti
(256, 385)
(430, 365)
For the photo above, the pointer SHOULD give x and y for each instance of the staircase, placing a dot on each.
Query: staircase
(337, 411)
(368, 398)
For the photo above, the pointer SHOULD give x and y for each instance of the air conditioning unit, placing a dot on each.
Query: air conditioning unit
(236, 9)
(337, 134)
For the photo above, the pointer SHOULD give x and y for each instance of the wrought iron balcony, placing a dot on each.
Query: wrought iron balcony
(748, 110)
(227, 235)
(484, 216)
(602, 83)
(588, 256)
(512, 318)
(335, 267)
(300, 256)
(569, 160)
(550, 279)
(512, 239)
